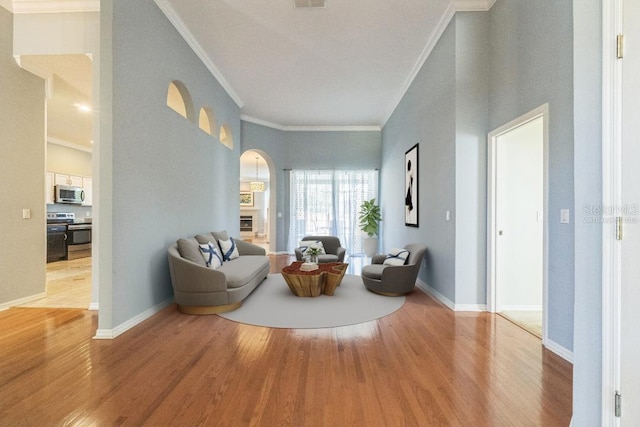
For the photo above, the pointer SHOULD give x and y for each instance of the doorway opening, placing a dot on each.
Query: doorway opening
(68, 149)
(517, 229)
(257, 224)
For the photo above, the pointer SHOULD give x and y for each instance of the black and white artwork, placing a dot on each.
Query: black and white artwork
(411, 187)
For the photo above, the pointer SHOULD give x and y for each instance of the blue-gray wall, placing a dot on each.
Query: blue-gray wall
(472, 115)
(168, 179)
(425, 115)
(587, 347)
(445, 111)
(531, 64)
(309, 150)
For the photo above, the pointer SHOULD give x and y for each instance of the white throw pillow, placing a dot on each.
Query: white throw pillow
(211, 255)
(396, 257)
(306, 244)
(229, 249)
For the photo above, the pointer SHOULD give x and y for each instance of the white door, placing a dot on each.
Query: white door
(519, 219)
(630, 212)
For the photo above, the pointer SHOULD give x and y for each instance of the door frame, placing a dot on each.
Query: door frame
(612, 25)
(492, 140)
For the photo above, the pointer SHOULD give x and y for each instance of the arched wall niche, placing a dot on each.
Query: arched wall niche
(207, 121)
(179, 100)
(226, 136)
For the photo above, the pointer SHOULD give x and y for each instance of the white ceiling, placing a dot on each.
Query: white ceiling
(70, 85)
(344, 65)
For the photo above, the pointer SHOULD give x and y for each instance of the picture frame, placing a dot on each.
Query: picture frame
(246, 198)
(411, 191)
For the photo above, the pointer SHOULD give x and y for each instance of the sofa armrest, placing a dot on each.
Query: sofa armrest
(299, 255)
(187, 276)
(378, 259)
(341, 252)
(246, 248)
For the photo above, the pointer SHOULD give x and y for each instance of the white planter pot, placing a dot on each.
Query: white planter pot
(370, 246)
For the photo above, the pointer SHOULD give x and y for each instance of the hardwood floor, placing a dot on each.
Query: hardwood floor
(423, 365)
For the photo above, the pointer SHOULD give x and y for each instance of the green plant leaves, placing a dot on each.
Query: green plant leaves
(370, 217)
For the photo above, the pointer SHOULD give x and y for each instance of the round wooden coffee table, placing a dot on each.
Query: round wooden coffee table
(313, 283)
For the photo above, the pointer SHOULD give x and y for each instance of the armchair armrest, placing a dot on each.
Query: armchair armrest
(378, 259)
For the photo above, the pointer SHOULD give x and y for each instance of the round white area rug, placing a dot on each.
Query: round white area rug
(272, 304)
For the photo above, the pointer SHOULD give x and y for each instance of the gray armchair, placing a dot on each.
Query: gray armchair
(393, 280)
(334, 251)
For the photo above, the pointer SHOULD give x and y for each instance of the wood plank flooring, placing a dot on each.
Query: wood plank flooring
(424, 365)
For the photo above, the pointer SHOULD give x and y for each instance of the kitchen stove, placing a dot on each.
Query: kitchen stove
(67, 237)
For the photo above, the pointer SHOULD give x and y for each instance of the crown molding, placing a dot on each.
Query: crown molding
(182, 29)
(473, 5)
(309, 128)
(50, 6)
(424, 55)
(72, 145)
(454, 6)
(261, 122)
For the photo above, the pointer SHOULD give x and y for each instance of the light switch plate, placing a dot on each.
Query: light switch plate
(564, 216)
(26, 213)
(448, 216)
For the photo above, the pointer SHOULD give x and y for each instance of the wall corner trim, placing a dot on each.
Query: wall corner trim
(559, 350)
(109, 334)
(21, 301)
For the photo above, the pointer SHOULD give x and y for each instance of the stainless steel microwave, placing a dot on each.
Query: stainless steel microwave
(68, 194)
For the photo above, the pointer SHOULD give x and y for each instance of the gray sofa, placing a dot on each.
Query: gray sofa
(199, 289)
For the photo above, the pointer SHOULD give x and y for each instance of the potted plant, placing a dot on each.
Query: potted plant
(370, 218)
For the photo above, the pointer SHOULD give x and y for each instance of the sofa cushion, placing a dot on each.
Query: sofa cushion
(229, 249)
(220, 235)
(327, 258)
(373, 271)
(396, 257)
(241, 271)
(211, 255)
(205, 238)
(190, 250)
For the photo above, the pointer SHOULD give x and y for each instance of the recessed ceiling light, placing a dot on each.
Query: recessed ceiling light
(83, 107)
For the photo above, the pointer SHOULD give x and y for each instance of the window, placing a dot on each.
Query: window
(327, 202)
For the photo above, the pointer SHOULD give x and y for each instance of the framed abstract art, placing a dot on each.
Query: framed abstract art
(411, 187)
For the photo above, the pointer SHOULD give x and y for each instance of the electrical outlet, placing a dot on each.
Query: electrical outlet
(564, 216)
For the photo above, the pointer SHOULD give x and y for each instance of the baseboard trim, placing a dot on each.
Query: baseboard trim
(94, 306)
(521, 308)
(559, 350)
(109, 334)
(437, 295)
(20, 301)
(447, 302)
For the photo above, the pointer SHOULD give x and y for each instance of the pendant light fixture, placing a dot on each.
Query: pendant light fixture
(257, 186)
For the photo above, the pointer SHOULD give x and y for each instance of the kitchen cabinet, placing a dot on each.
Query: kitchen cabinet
(87, 186)
(72, 180)
(49, 195)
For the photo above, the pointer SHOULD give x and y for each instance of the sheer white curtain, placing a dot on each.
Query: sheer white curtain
(327, 202)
